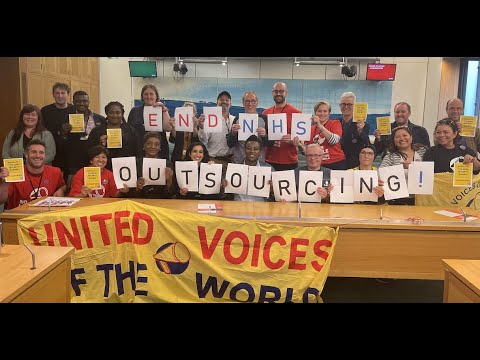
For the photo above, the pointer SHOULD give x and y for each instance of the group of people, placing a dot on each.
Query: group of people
(55, 156)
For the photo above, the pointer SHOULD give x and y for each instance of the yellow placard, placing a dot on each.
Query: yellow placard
(462, 174)
(92, 177)
(77, 122)
(384, 125)
(15, 168)
(469, 124)
(360, 110)
(114, 138)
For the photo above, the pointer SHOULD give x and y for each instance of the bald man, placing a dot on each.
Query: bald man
(454, 111)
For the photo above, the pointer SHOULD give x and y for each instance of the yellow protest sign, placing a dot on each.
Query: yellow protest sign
(114, 138)
(360, 111)
(469, 125)
(92, 177)
(384, 125)
(462, 174)
(15, 169)
(131, 252)
(77, 122)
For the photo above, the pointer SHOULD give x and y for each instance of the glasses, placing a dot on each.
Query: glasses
(278, 91)
(250, 101)
(313, 156)
(345, 105)
(366, 153)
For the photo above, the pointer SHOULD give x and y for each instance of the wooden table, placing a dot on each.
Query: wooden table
(48, 282)
(391, 247)
(462, 281)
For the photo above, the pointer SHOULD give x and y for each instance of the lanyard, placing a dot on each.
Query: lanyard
(281, 111)
(36, 191)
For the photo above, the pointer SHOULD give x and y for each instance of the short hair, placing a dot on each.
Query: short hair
(403, 103)
(446, 107)
(249, 92)
(59, 85)
(322, 102)
(149, 86)
(371, 147)
(224, 93)
(349, 94)
(151, 134)
(35, 142)
(192, 104)
(314, 145)
(254, 138)
(97, 150)
(79, 93)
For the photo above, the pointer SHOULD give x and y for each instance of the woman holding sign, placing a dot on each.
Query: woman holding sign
(183, 139)
(149, 96)
(152, 147)
(198, 152)
(121, 138)
(327, 133)
(402, 151)
(446, 153)
(90, 182)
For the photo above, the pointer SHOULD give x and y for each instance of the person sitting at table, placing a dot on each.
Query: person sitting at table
(40, 179)
(447, 152)
(366, 156)
(198, 152)
(152, 147)
(253, 149)
(402, 151)
(314, 154)
(98, 156)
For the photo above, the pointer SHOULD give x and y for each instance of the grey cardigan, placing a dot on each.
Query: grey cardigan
(16, 150)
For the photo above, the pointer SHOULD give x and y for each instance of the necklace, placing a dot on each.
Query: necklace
(36, 191)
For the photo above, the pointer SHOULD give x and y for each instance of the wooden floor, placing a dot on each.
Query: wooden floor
(363, 290)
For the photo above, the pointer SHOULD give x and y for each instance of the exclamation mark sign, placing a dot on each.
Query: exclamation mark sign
(421, 179)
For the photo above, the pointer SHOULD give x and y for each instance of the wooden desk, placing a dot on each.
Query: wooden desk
(49, 282)
(462, 281)
(391, 247)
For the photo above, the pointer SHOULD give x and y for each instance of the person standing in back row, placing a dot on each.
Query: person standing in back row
(56, 114)
(149, 95)
(354, 134)
(454, 110)
(282, 155)
(75, 144)
(216, 142)
(402, 112)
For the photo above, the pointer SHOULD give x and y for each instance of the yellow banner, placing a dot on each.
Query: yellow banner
(444, 194)
(131, 252)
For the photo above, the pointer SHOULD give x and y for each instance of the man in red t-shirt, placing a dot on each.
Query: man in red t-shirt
(283, 154)
(40, 179)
